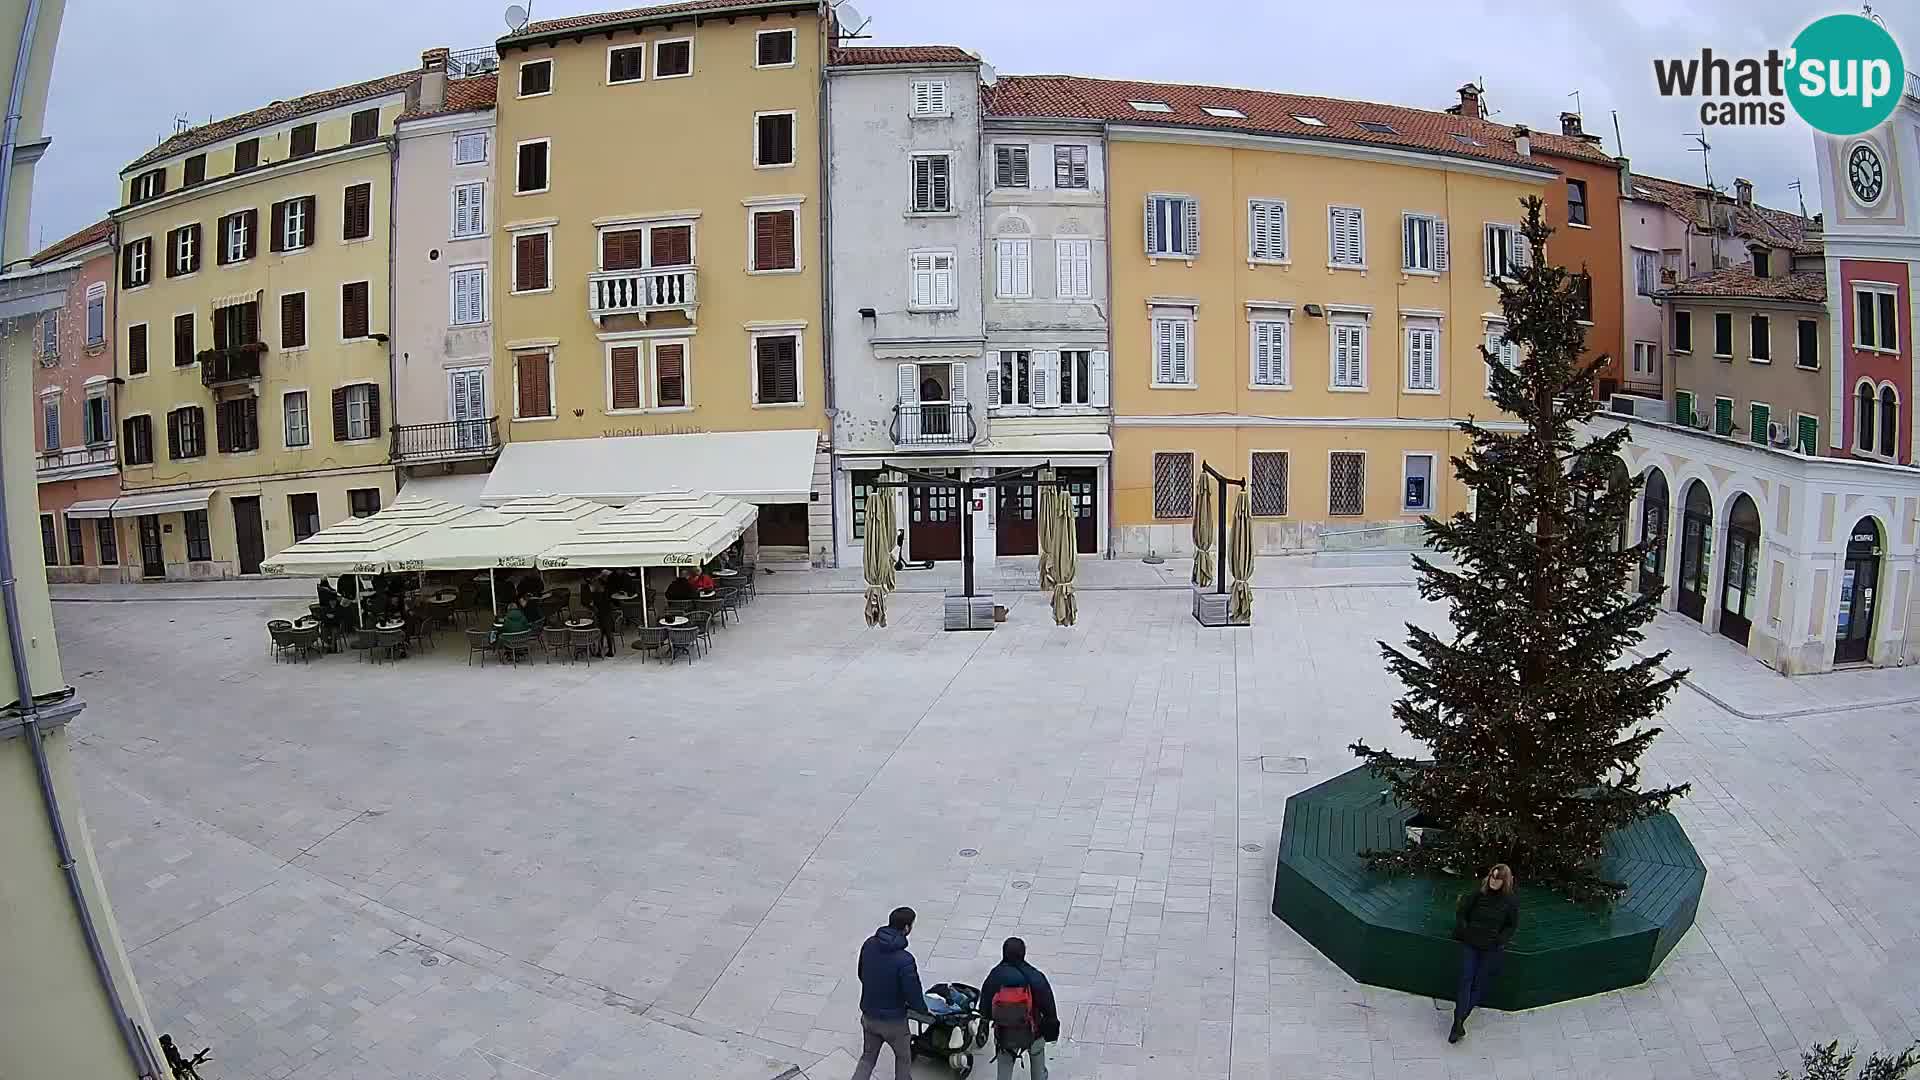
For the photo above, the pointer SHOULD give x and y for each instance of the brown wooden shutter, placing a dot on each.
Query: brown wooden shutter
(670, 376)
(353, 309)
(137, 349)
(373, 409)
(530, 262)
(293, 320)
(625, 363)
(783, 249)
(621, 250)
(357, 214)
(673, 246)
(277, 242)
(173, 433)
(126, 266)
(312, 235)
(252, 218)
(220, 230)
(193, 264)
(763, 229)
(183, 350)
(223, 426)
(195, 171)
(249, 322)
(533, 391)
(365, 126)
(340, 415)
(779, 381)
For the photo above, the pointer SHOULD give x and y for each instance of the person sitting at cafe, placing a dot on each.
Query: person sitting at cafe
(513, 622)
(703, 581)
(679, 590)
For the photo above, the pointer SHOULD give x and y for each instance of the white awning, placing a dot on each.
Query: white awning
(515, 534)
(669, 529)
(162, 502)
(452, 487)
(369, 545)
(91, 508)
(753, 466)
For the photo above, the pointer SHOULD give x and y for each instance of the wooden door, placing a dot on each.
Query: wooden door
(933, 521)
(151, 563)
(1079, 486)
(1016, 525)
(248, 537)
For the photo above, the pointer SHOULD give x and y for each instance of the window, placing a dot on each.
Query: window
(50, 422)
(237, 236)
(530, 177)
(932, 192)
(183, 250)
(1272, 359)
(1759, 416)
(1076, 377)
(1423, 243)
(470, 148)
(293, 224)
(293, 320)
(533, 386)
(774, 235)
(1017, 380)
(862, 487)
(1576, 202)
(1423, 358)
(776, 369)
(246, 155)
(363, 502)
(137, 349)
(1503, 349)
(1722, 334)
(1010, 166)
(627, 64)
(673, 59)
(1506, 251)
(49, 544)
(1346, 237)
(931, 286)
(186, 433)
(623, 377)
(929, 97)
(1807, 434)
(1762, 330)
(136, 440)
(199, 546)
(194, 171)
(1346, 484)
(356, 412)
(1466, 140)
(1646, 360)
(1418, 495)
(1863, 416)
(97, 420)
(1722, 416)
(1173, 226)
(1267, 483)
(184, 351)
(76, 542)
(1173, 352)
(1172, 485)
(1583, 296)
(1266, 230)
(294, 420)
(96, 314)
(1350, 354)
(669, 375)
(304, 509)
(353, 310)
(530, 262)
(148, 185)
(1683, 331)
(1876, 322)
(773, 48)
(236, 424)
(236, 324)
(773, 139)
(1224, 112)
(109, 542)
(536, 78)
(1760, 264)
(135, 269)
(1151, 106)
(302, 142)
(469, 286)
(50, 335)
(1377, 127)
(1014, 265)
(1889, 421)
(670, 245)
(1310, 121)
(1808, 354)
(1070, 168)
(1646, 272)
(469, 209)
(1073, 269)
(357, 212)
(364, 126)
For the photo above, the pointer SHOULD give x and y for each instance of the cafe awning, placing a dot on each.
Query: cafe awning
(667, 529)
(161, 502)
(512, 535)
(753, 466)
(91, 508)
(369, 545)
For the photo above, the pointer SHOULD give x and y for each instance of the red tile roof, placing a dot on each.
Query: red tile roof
(1569, 146)
(90, 235)
(614, 18)
(1803, 286)
(1779, 228)
(279, 111)
(463, 95)
(1267, 113)
(902, 54)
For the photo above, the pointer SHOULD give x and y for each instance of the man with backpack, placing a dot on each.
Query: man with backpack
(1019, 1002)
(889, 989)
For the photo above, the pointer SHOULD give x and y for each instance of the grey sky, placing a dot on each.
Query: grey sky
(126, 68)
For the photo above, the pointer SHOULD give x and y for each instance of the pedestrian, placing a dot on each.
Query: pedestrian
(1483, 923)
(889, 988)
(1019, 1001)
(600, 589)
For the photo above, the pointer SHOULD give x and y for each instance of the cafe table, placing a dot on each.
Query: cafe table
(673, 621)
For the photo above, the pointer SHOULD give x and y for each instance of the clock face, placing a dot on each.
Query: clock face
(1865, 175)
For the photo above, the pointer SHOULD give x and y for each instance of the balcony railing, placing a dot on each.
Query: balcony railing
(470, 62)
(232, 364)
(76, 462)
(446, 442)
(933, 423)
(640, 292)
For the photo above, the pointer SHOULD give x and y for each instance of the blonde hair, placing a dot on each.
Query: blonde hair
(1507, 880)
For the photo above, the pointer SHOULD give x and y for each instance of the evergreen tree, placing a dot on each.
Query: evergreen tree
(1534, 731)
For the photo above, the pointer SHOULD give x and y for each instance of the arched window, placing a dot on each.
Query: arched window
(1889, 421)
(1863, 418)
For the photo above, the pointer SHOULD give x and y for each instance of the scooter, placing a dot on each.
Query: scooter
(899, 555)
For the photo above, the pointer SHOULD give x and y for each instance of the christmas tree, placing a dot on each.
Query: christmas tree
(1533, 727)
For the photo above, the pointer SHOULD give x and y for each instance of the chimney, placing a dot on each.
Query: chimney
(433, 78)
(1703, 209)
(1570, 125)
(1469, 101)
(1743, 191)
(1626, 176)
(1522, 140)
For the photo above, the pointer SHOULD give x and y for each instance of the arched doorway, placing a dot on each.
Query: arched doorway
(1653, 533)
(1696, 551)
(1741, 576)
(1859, 585)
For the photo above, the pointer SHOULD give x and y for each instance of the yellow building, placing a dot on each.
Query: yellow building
(658, 253)
(253, 328)
(1300, 289)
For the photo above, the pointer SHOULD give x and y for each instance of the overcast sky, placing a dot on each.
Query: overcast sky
(127, 68)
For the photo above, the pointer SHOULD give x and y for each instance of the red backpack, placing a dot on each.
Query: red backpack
(1016, 1024)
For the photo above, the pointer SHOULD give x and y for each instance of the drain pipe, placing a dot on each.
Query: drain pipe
(142, 1055)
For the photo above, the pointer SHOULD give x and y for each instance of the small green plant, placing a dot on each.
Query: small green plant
(1828, 1063)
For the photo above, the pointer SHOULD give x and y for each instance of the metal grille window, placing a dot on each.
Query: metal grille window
(1267, 480)
(1346, 484)
(1173, 485)
(862, 489)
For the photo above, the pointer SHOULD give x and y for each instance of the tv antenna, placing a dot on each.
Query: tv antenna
(1797, 189)
(1575, 95)
(181, 123)
(517, 16)
(845, 14)
(1705, 150)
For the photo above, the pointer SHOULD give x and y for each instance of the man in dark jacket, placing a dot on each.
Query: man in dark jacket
(889, 988)
(1013, 971)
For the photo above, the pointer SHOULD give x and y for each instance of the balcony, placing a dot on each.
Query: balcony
(642, 292)
(933, 423)
(457, 440)
(77, 463)
(468, 63)
(231, 364)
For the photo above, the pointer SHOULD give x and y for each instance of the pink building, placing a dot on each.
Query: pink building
(79, 463)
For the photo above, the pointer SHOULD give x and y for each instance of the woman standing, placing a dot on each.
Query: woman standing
(1483, 923)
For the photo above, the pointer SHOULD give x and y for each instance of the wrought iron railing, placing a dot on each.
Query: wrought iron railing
(453, 439)
(933, 423)
(232, 364)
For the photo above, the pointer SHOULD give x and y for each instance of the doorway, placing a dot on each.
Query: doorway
(1016, 525)
(1859, 584)
(1741, 576)
(1079, 486)
(152, 564)
(249, 540)
(1653, 533)
(784, 525)
(933, 520)
(1696, 551)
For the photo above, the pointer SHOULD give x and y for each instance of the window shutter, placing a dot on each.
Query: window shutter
(786, 228)
(1065, 261)
(908, 376)
(530, 262)
(1044, 380)
(1020, 176)
(223, 425)
(357, 213)
(221, 230)
(293, 320)
(340, 414)
(993, 385)
(763, 240)
(310, 221)
(672, 245)
(956, 382)
(1023, 268)
(670, 376)
(1406, 241)
(1148, 234)
(1440, 244)
(1262, 353)
(251, 218)
(173, 434)
(1522, 251)
(279, 219)
(922, 183)
(1097, 365)
(621, 250)
(1191, 216)
(942, 281)
(625, 361)
(1163, 352)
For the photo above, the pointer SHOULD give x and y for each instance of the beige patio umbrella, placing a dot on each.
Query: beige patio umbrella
(1063, 554)
(1044, 508)
(1240, 559)
(879, 553)
(1203, 534)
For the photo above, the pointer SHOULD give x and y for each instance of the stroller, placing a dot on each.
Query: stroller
(945, 1033)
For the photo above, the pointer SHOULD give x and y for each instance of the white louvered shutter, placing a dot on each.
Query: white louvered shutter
(1022, 268)
(956, 382)
(1043, 379)
(1182, 352)
(1097, 364)
(943, 281)
(922, 284)
(1406, 242)
(1440, 244)
(1263, 354)
(1430, 370)
(1522, 251)
(993, 383)
(909, 383)
(1256, 230)
(1191, 217)
(1151, 203)
(1163, 351)
(1003, 268)
(1080, 254)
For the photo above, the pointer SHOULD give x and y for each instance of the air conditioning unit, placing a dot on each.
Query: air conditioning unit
(1640, 407)
(1779, 435)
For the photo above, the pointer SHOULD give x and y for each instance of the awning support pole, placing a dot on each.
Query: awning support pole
(493, 591)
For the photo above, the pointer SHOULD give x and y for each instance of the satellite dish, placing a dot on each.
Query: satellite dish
(987, 75)
(850, 19)
(516, 18)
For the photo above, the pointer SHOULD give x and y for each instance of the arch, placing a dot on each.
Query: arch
(1889, 420)
(1863, 414)
(1696, 549)
(1012, 225)
(1740, 576)
(1859, 592)
(1072, 227)
(1655, 515)
(1619, 480)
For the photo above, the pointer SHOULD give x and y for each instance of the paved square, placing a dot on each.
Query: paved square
(632, 870)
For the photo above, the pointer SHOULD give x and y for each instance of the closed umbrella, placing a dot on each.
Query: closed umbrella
(1203, 535)
(1044, 508)
(1061, 540)
(879, 554)
(1240, 560)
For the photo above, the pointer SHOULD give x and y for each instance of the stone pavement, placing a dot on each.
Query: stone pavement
(623, 869)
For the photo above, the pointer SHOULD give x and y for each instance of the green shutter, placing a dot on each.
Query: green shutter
(1809, 435)
(1761, 415)
(1683, 407)
(1722, 416)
